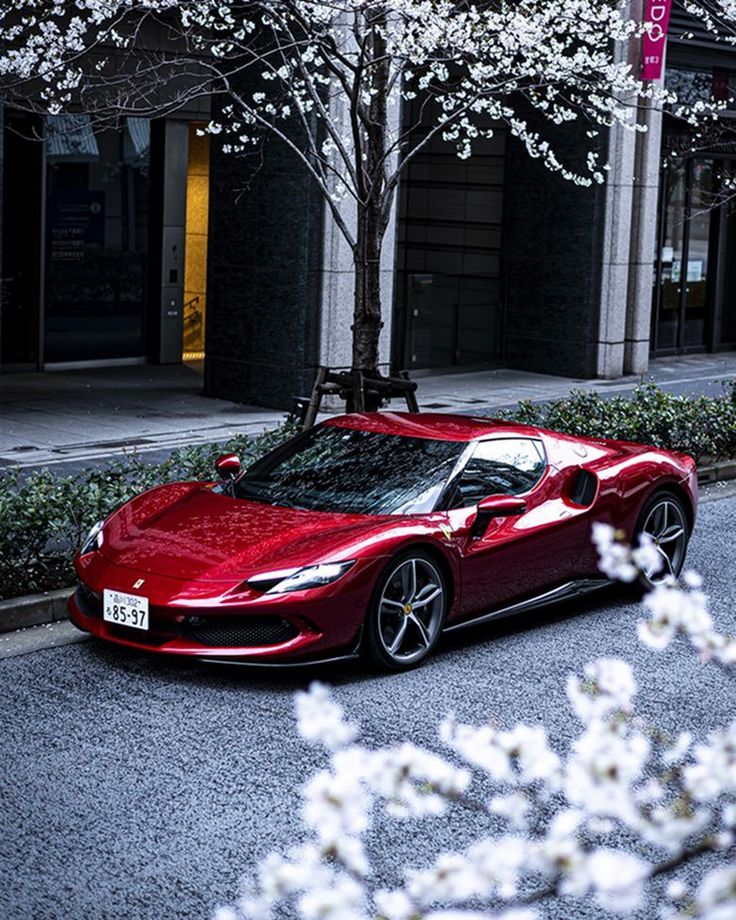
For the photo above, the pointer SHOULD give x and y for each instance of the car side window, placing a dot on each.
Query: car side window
(503, 466)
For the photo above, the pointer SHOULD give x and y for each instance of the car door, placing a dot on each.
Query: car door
(505, 559)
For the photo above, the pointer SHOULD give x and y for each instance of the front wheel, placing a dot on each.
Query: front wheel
(407, 612)
(665, 520)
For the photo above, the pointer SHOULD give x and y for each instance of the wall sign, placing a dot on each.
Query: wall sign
(74, 221)
(653, 42)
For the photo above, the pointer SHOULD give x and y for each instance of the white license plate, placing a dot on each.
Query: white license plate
(125, 609)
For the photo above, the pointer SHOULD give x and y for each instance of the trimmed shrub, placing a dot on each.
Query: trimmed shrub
(702, 426)
(44, 517)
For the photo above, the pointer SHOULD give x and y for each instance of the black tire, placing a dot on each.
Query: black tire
(675, 517)
(392, 614)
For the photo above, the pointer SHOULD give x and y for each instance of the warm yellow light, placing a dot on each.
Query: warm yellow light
(195, 268)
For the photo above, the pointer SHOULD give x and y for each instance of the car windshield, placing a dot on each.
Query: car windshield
(330, 468)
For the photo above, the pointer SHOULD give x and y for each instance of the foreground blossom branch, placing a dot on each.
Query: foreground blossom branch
(554, 816)
(674, 608)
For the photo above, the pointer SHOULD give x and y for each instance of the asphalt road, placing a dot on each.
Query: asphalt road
(136, 788)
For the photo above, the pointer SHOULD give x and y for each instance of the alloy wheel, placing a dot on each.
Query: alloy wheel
(666, 525)
(410, 610)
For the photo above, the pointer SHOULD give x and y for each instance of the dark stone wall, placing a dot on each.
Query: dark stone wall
(2, 213)
(264, 273)
(551, 260)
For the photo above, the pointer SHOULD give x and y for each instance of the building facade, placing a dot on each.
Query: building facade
(104, 241)
(146, 243)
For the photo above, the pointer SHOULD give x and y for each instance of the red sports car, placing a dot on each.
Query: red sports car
(373, 534)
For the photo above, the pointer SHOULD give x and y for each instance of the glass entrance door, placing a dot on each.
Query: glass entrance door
(96, 239)
(20, 245)
(695, 275)
(684, 283)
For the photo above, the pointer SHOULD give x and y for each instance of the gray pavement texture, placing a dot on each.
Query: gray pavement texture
(69, 419)
(32, 639)
(136, 787)
(82, 415)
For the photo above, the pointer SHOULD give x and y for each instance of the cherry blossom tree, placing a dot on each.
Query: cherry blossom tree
(718, 16)
(673, 798)
(328, 79)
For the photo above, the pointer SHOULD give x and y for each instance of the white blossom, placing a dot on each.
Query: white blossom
(608, 686)
(674, 608)
(715, 898)
(615, 878)
(320, 718)
(614, 557)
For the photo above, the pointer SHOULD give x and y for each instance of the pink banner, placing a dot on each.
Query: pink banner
(653, 43)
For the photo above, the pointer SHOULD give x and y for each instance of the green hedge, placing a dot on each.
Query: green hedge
(44, 516)
(702, 426)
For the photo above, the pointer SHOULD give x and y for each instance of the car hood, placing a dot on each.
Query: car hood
(188, 531)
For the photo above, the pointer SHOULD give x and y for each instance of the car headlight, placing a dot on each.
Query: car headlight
(311, 576)
(93, 539)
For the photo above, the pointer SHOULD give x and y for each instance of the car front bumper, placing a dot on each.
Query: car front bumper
(215, 622)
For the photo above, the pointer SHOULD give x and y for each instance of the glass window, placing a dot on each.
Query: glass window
(726, 328)
(357, 472)
(695, 273)
(695, 86)
(685, 282)
(20, 186)
(671, 254)
(96, 239)
(449, 245)
(505, 466)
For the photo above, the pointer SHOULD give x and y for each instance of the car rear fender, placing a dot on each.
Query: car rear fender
(628, 480)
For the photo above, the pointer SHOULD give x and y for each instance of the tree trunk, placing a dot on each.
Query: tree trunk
(371, 123)
(367, 322)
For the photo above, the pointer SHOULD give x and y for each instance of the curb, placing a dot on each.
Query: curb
(33, 609)
(717, 472)
(50, 607)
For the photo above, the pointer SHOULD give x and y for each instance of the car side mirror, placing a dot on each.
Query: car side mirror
(494, 506)
(502, 505)
(228, 466)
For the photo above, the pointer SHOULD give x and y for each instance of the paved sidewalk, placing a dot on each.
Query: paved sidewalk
(503, 387)
(61, 416)
(74, 417)
(36, 638)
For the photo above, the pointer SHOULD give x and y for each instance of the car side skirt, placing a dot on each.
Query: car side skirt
(568, 590)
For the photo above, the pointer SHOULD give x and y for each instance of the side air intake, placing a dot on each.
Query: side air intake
(583, 488)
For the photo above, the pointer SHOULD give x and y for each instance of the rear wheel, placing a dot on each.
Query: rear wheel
(665, 520)
(407, 612)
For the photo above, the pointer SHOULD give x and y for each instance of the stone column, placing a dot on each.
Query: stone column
(615, 258)
(335, 349)
(643, 240)
(338, 277)
(264, 277)
(617, 230)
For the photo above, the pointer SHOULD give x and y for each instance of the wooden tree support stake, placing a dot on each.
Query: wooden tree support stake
(363, 391)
